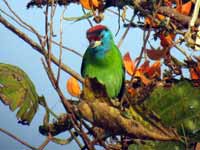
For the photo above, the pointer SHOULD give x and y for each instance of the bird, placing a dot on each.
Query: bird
(102, 60)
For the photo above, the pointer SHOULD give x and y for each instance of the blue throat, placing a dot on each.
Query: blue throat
(106, 45)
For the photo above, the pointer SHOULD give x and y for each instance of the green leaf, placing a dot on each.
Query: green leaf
(62, 141)
(179, 107)
(76, 19)
(150, 145)
(18, 91)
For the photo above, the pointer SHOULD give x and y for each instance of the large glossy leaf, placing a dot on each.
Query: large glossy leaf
(17, 91)
(150, 145)
(179, 107)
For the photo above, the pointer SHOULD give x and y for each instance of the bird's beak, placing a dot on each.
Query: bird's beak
(94, 44)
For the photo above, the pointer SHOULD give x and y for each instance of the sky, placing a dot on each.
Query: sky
(15, 51)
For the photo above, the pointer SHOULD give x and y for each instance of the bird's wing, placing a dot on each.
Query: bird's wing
(84, 62)
(123, 75)
(123, 84)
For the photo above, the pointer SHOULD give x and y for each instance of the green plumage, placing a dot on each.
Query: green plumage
(108, 68)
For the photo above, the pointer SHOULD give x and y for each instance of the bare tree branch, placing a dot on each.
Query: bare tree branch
(23, 22)
(17, 139)
(67, 48)
(61, 40)
(183, 20)
(45, 143)
(38, 48)
(69, 108)
(125, 33)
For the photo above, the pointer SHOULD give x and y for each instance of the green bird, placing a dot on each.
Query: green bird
(103, 61)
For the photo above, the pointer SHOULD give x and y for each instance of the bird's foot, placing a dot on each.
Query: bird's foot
(126, 114)
(115, 102)
(124, 111)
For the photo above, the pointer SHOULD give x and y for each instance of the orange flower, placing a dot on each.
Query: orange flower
(144, 72)
(143, 78)
(167, 40)
(149, 21)
(154, 70)
(160, 17)
(129, 64)
(73, 87)
(168, 3)
(178, 5)
(195, 72)
(186, 8)
(132, 91)
(144, 67)
(91, 4)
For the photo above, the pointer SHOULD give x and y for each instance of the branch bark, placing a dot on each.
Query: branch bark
(178, 17)
(95, 108)
(181, 19)
(103, 115)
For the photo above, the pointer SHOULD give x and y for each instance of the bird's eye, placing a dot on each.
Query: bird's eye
(101, 36)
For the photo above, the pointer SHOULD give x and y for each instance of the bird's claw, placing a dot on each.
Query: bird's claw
(126, 114)
(115, 102)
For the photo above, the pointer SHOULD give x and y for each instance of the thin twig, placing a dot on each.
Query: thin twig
(67, 48)
(131, 24)
(118, 22)
(64, 101)
(60, 55)
(175, 44)
(17, 139)
(38, 48)
(46, 107)
(76, 139)
(125, 33)
(49, 48)
(188, 35)
(116, 13)
(14, 19)
(142, 51)
(45, 143)
(23, 22)
(145, 39)
(46, 27)
(68, 107)
(195, 13)
(182, 51)
(89, 21)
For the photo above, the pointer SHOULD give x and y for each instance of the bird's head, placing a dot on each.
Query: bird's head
(100, 37)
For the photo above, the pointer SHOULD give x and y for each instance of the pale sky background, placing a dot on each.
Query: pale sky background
(15, 51)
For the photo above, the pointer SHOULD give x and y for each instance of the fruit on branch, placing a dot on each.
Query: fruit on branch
(102, 60)
(73, 87)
